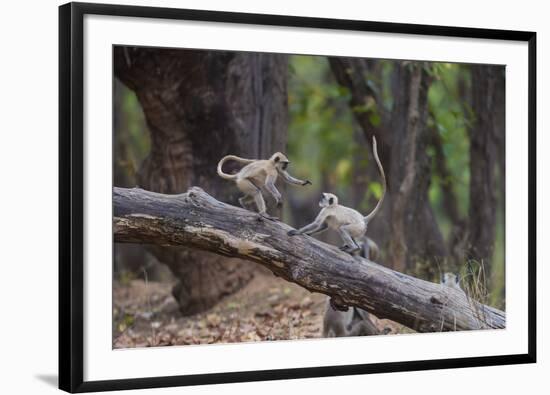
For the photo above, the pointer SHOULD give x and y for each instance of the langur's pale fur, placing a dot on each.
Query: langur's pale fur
(451, 280)
(350, 224)
(257, 174)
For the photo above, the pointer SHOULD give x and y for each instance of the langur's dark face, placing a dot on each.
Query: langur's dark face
(284, 165)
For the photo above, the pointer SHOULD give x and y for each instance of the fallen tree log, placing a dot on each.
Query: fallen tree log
(196, 219)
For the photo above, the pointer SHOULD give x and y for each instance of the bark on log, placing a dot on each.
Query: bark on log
(196, 219)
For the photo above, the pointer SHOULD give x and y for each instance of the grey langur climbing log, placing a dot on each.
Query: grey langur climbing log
(349, 223)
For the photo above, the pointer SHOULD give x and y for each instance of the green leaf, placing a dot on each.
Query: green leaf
(375, 119)
(376, 189)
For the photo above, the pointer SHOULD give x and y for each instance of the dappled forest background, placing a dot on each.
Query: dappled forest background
(440, 128)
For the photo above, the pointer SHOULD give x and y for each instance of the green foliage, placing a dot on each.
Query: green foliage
(321, 136)
(132, 141)
(321, 127)
(138, 138)
(448, 116)
(376, 189)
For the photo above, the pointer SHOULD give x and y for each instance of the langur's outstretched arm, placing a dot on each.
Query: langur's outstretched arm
(316, 226)
(320, 229)
(291, 180)
(308, 229)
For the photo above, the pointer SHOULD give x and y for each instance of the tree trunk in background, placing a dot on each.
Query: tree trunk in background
(407, 221)
(351, 73)
(416, 237)
(458, 232)
(486, 153)
(200, 106)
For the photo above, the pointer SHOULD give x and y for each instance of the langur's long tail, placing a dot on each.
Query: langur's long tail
(384, 186)
(231, 157)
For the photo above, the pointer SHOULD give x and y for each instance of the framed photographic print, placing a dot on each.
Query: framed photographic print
(253, 197)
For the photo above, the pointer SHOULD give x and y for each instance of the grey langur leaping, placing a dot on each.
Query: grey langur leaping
(349, 223)
(257, 174)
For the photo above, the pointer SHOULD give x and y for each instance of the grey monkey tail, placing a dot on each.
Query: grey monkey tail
(384, 184)
(227, 176)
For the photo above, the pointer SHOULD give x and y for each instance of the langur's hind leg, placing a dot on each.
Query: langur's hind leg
(251, 190)
(258, 198)
(350, 245)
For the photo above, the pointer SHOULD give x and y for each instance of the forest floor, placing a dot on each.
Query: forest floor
(268, 308)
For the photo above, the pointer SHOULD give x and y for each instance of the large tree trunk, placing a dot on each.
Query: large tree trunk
(402, 136)
(415, 234)
(200, 106)
(198, 220)
(486, 151)
(457, 237)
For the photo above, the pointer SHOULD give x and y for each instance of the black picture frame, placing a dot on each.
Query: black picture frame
(71, 198)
